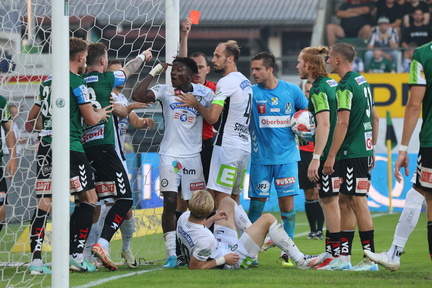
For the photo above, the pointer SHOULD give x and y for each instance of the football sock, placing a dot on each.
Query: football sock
(256, 208)
(83, 223)
(170, 243)
(311, 214)
(127, 229)
(407, 221)
(284, 242)
(367, 240)
(241, 219)
(335, 243)
(37, 233)
(346, 241)
(2, 224)
(289, 222)
(429, 228)
(319, 216)
(115, 218)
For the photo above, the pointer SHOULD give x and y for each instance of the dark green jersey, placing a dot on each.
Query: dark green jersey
(322, 97)
(78, 95)
(421, 75)
(380, 66)
(100, 86)
(354, 94)
(5, 117)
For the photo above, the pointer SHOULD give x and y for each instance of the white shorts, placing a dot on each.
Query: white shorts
(227, 170)
(186, 172)
(244, 246)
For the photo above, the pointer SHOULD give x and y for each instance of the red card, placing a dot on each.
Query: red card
(194, 16)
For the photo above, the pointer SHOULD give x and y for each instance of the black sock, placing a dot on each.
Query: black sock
(115, 217)
(37, 233)
(319, 216)
(367, 240)
(429, 228)
(335, 243)
(310, 214)
(83, 222)
(346, 241)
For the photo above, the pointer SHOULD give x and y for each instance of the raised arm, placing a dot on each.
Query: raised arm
(132, 66)
(141, 93)
(186, 26)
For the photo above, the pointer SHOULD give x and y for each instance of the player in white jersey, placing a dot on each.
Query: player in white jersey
(233, 100)
(180, 161)
(204, 250)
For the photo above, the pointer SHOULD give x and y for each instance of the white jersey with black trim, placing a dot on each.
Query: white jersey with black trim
(123, 123)
(197, 240)
(183, 125)
(234, 92)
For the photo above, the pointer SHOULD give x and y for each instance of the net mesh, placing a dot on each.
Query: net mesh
(126, 27)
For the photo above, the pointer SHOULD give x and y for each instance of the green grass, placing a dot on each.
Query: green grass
(415, 271)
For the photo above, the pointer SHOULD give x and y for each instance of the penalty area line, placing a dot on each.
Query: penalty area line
(105, 280)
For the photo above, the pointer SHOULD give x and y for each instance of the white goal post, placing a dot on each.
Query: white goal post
(34, 43)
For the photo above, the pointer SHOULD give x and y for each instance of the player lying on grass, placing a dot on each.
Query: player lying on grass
(204, 250)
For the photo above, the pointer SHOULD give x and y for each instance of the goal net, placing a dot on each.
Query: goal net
(126, 27)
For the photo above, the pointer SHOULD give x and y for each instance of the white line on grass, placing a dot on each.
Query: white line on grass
(102, 281)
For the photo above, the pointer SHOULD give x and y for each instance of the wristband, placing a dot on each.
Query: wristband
(156, 70)
(142, 57)
(403, 148)
(374, 147)
(316, 156)
(220, 261)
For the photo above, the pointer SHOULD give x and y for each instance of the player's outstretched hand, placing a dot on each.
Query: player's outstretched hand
(147, 54)
(232, 259)
(104, 112)
(220, 215)
(149, 123)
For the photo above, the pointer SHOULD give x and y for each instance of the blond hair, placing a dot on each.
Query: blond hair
(201, 204)
(316, 58)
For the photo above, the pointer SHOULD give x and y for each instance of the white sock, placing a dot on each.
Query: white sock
(407, 222)
(37, 262)
(127, 229)
(79, 257)
(170, 243)
(103, 243)
(92, 239)
(284, 242)
(241, 219)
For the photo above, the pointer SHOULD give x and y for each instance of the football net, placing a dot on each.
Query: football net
(126, 27)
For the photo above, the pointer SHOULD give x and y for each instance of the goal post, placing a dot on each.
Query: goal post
(34, 43)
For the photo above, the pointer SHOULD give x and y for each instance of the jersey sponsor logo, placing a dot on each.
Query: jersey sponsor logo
(90, 79)
(367, 126)
(119, 75)
(75, 185)
(274, 101)
(360, 80)
(105, 189)
(426, 177)
(176, 105)
(285, 181)
(164, 182)
(184, 117)
(362, 185)
(264, 188)
(261, 108)
(243, 131)
(245, 84)
(226, 176)
(188, 239)
(274, 121)
(43, 185)
(94, 133)
(274, 110)
(233, 247)
(332, 83)
(336, 183)
(368, 140)
(197, 186)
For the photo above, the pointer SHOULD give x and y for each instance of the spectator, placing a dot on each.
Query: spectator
(418, 32)
(387, 38)
(354, 22)
(14, 114)
(379, 64)
(407, 57)
(358, 64)
(392, 10)
(410, 7)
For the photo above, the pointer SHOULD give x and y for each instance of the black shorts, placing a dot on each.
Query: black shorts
(303, 165)
(328, 185)
(424, 170)
(81, 174)
(111, 178)
(356, 176)
(3, 188)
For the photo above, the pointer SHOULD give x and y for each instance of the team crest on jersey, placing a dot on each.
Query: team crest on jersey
(164, 182)
(332, 83)
(204, 253)
(288, 108)
(274, 101)
(183, 117)
(264, 187)
(360, 80)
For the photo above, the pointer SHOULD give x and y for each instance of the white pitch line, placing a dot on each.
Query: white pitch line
(105, 280)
